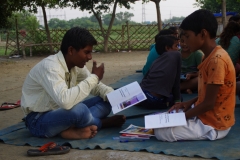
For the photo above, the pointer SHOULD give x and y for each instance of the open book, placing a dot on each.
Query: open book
(126, 97)
(165, 119)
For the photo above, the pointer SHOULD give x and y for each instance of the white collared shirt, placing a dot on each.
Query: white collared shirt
(50, 85)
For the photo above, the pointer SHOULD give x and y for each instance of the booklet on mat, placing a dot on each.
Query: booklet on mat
(165, 119)
(132, 129)
(126, 97)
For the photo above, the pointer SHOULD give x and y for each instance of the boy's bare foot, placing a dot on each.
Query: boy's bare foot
(114, 121)
(79, 133)
(189, 91)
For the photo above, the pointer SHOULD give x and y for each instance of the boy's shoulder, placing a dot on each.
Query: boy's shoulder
(219, 52)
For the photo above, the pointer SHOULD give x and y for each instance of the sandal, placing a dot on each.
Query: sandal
(6, 106)
(50, 148)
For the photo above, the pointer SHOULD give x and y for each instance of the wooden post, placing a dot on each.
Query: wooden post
(16, 24)
(128, 36)
(123, 43)
(30, 51)
(23, 50)
(6, 44)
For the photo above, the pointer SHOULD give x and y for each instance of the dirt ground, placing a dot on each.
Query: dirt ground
(13, 72)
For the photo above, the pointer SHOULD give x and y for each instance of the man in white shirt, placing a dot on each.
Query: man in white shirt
(53, 93)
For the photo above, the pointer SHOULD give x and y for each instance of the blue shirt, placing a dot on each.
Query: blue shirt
(152, 56)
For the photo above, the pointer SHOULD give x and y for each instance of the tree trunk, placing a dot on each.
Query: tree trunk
(46, 27)
(159, 20)
(100, 25)
(106, 36)
(110, 27)
(224, 22)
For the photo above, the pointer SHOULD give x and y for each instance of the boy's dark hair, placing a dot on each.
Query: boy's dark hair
(173, 28)
(229, 31)
(78, 38)
(163, 42)
(201, 19)
(164, 32)
(234, 18)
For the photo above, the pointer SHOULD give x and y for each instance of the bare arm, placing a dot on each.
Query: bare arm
(191, 75)
(207, 104)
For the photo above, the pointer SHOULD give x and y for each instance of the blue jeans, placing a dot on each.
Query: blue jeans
(153, 102)
(83, 114)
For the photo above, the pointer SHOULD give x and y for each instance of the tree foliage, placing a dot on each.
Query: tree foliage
(6, 10)
(120, 18)
(26, 21)
(99, 8)
(174, 19)
(91, 22)
(216, 7)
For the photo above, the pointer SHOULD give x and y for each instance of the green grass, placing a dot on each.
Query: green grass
(2, 51)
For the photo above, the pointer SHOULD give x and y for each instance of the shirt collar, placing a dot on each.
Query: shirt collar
(62, 61)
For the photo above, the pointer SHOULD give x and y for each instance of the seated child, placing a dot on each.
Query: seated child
(189, 71)
(230, 42)
(211, 114)
(163, 78)
(153, 55)
(175, 30)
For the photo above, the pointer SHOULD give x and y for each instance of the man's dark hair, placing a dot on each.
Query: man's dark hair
(201, 19)
(163, 42)
(78, 38)
(234, 18)
(164, 32)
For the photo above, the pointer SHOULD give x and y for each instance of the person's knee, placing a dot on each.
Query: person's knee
(164, 134)
(79, 110)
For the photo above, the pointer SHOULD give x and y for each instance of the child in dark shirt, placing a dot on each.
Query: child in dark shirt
(161, 84)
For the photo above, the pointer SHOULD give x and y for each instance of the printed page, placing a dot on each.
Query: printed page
(132, 129)
(126, 97)
(165, 120)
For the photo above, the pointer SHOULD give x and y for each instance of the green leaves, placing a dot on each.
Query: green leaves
(216, 7)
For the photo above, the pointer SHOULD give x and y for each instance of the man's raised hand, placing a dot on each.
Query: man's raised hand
(99, 71)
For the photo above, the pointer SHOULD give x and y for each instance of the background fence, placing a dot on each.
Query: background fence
(130, 37)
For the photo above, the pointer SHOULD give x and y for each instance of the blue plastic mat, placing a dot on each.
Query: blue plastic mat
(227, 148)
(126, 80)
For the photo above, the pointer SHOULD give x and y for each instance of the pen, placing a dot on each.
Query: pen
(132, 140)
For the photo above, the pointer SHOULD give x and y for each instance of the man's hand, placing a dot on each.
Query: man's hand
(99, 71)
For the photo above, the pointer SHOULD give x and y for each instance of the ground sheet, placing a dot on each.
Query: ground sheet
(227, 148)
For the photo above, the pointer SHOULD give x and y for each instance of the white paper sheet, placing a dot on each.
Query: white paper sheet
(165, 120)
(126, 97)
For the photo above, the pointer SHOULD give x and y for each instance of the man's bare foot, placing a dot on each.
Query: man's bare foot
(114, 121)
(79, 133)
